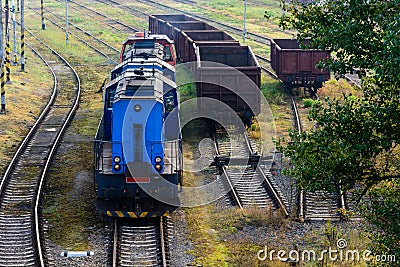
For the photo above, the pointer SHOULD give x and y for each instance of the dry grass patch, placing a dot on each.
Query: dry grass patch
(337, 88)
(26, 95)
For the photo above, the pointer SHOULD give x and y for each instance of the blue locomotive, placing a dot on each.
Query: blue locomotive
(138, 159)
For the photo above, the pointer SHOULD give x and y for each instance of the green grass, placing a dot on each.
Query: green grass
(272, 91)
(184, 78)
(307, 102)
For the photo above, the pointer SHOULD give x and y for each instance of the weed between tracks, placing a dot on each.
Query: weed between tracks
(280, 106)
(69, 197)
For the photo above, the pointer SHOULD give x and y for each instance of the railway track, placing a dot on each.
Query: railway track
(106, 20)
(266, 66)
(248, 185)
(21, 185)
(312, 206)
(141, 242)
(113, 56)
(318, 205)
(98, 40)
(308, 207)
(188, 2)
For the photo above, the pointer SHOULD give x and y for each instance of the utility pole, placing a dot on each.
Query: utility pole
(244, 21)
(42, 5)
(66, 22)
(2, 76)
(8, 69)
(14, 32)
(22, 36)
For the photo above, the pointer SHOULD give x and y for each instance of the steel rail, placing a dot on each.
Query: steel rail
(24, 143)
(162, 244)
(115, 244)
(232, 188)
(267, 181)
(299, 129)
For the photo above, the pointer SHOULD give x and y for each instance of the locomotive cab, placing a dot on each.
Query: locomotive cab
(166, 46)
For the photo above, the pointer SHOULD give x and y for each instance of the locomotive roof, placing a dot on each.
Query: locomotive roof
(149, 37)
(130, 66)
(156, 82)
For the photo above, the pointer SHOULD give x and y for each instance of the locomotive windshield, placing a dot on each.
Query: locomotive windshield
(147, 48)
(167, 54)
(169, 101)
(136, 90)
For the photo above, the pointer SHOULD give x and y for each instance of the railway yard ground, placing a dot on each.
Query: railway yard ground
(218, 234)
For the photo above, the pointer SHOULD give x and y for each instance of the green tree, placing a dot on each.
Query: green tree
(356, 141)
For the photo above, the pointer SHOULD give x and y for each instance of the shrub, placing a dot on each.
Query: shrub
(308, 102)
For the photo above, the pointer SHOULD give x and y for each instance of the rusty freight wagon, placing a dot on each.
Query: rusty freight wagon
(190, 40)
(157, 22)
(237, 86)
(235, 82)
(177, 31)
(296, 67)
(172, 25)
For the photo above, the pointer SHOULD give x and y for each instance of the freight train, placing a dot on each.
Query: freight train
(235, 77)
(138, 157)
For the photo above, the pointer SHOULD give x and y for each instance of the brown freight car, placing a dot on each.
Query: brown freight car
(191, 46)
(189, 40)
(156, 20)
(238, 87)
(296, 67)
(179, 27)
(234, 82)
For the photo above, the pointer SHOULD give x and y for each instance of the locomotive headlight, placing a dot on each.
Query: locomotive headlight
(117, 167)
(137, 108)
(117, 159)
(158, 167)
(158, 159)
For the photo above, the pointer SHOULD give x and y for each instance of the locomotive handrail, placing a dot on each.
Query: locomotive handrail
(175, 160)
(98, 145)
